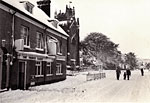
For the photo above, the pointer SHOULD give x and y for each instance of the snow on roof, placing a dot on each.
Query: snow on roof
(37, 13)
(63, 22)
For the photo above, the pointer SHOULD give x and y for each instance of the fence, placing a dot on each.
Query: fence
(95, 76)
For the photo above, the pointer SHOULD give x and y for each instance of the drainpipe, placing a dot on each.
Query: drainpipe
(45, 44)
(12, 46)
(13, 28)
(12, 35)
(45, 48)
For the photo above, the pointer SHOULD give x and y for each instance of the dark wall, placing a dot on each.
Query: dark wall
(32, 35)
(33, 29)
(5, 33)
(14, 75)
(5, 28)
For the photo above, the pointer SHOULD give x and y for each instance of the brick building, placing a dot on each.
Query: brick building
(33, 47)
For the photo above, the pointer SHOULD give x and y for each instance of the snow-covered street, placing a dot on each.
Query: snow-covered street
(77, 89)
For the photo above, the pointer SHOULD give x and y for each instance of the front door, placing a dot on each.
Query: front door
(22, 75)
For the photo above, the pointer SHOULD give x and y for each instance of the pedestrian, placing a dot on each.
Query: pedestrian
(118, 72)
(142, 69)
(124, 75)
(142, 72)
(128, 73)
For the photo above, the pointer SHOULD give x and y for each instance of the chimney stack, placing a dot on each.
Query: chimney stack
(45, 6)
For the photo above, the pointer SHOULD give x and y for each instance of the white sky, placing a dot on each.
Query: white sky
(125, 22)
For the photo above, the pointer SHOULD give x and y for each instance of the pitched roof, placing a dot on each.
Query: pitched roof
(37, 14)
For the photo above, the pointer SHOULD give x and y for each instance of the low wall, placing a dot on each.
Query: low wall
(95, 76)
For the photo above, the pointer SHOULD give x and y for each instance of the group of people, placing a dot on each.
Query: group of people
(127, 73)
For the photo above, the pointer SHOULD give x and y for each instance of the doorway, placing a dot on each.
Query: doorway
(22, 75)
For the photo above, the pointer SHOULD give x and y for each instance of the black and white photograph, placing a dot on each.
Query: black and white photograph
(74, 51)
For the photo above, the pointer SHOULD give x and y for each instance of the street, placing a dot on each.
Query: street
(77, 89)
(137, 89)
(62, 51)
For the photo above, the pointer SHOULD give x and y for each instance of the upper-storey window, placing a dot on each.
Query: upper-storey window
(39, 40)
(25, 35)
(53, 46)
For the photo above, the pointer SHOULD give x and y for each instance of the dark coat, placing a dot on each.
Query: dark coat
(142, 71)
(128, 72)
(118, 71)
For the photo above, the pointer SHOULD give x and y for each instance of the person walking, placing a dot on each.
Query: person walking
(128, 73)
(118, 72)
(124, 75)
(142, 70)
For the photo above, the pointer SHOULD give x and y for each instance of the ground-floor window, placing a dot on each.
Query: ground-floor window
(39, 71)
(49, 69)
(58, 69)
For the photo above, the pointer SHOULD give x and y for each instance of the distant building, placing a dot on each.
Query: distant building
(143, 62)
(70, 24)
(33, 47)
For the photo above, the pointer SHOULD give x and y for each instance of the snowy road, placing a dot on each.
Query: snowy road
(137, 89)
(77, 89)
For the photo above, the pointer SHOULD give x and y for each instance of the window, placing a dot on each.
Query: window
(49, 69)
(39, 40)
(29, 7)
(53, 46)
(39, 71)
(58, 47)
(3, 43)
(25, 35)
(58, 69)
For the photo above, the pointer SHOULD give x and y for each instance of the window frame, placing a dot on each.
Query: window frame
(59, 69)
(49, 66)
(29, 7)
(37, 73)
(40, 41)
(24, 33)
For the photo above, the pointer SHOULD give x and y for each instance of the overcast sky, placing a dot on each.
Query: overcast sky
(125, 22)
